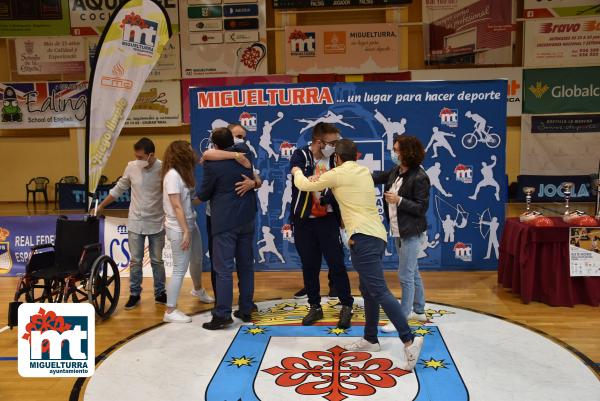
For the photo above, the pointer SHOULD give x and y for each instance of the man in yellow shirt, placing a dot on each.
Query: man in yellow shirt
(353, 188)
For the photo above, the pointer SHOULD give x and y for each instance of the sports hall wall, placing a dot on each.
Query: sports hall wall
(53, 152)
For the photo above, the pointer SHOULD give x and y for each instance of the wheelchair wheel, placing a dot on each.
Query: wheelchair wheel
(104, 286)
(34, 290)
(76, 292)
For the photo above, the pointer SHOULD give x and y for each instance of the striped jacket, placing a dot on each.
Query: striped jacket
(302, 201)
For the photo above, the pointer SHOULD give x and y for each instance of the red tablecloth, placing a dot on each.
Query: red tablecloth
(534, 263)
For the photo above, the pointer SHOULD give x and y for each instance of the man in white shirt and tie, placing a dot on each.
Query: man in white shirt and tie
(145, 220)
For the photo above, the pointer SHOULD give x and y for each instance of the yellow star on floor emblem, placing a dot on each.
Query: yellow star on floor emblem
(434, 364)
(337, 331)
(255, 330)
(422, 331)
(241, 361)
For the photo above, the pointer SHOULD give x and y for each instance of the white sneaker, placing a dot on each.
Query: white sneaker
(412, 353)
(420, 317)
(362, 345)
(388, 328)
(176, 316)
(203, 296)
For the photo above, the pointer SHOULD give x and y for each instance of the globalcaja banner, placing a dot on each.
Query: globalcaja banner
(18, 234)
(560, 8)
(342, 49)
(186, 84)
(34, 18)
(561, 90)
(562, 42)
(90, 17)
(53, 55)
(43, 104)
(461, 124)
(555, 145)
(547, 187)
(129, 48)
(469, 31)
(223, 38)
(514, 75)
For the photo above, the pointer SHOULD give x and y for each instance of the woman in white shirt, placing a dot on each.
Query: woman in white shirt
(180, 223)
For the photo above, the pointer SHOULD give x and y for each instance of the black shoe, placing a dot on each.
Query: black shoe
(217, 323)
(132, 302)
(301, 294)
(345, 317)
(244, 317)
(161, 299)
(314, 314)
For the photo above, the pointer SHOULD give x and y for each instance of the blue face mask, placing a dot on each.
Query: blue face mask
(395, 158)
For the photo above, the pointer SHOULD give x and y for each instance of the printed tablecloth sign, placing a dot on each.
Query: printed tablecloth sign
(220, 38)
(469, 31)
(34, 18)
(341, 49)
(52, 55)
(560, 8)
(562, 42)
(584, 251)
(514, 75)
(90, 17)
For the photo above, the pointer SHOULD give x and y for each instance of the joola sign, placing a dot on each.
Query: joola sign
(545, 90)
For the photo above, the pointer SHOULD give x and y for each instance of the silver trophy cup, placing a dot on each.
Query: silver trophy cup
(596, 187)
(529, 191)
(567, 190)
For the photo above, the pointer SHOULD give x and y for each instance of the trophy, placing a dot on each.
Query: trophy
(567, 189)
(528, 214)
(596, 187)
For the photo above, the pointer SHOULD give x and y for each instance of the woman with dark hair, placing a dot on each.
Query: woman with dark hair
(406, 201)
(182, 230)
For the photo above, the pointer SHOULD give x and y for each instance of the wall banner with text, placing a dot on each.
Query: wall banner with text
(462, 124)
(34, 18)
(52, 55)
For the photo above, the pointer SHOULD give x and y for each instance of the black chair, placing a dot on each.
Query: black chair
(73, 269)
(103, 180)
(67, 179)
(35, 185)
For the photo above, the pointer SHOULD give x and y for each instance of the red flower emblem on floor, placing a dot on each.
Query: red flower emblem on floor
(333, 374)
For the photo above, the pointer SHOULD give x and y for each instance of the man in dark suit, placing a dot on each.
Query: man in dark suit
(233, 221)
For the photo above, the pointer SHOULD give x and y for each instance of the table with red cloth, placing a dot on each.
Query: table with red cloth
(534, 263)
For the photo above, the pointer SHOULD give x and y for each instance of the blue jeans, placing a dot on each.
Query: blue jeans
(191, 257)
(367, 253)
(234, 250)
(156, 244)
(413, 293)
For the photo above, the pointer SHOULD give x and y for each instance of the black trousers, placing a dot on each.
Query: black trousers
(316, 239)
(213, 278)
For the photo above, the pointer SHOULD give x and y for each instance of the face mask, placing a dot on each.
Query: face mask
(395, 158)
(237, 141)
(142, 163)
(328, 150)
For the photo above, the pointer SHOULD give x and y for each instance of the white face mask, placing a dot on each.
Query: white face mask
(142, 163)
(238, 140)
(328, 150)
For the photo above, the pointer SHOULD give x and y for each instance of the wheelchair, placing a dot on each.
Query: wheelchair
(73, 269)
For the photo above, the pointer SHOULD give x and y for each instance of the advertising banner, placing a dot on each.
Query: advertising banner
(469, 31)
(560, 145)
(342, 49)
(186, 84)
(584, 251)
(561, 90)
(128, 50)
(90, 17)
(43, 104)
(514, 75)
(547, 187)
(52, 55)
(562, 42)
(560, 8)
(285, 4)
(34, 18)
(220, 39)
(72, 197)
(461, 124)
(157, 105)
